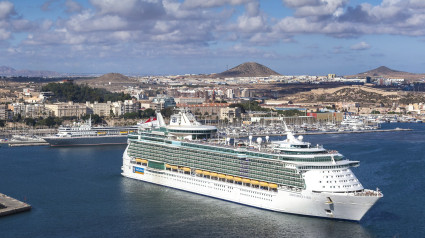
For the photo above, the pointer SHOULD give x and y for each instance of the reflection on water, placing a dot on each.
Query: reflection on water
(167, 211)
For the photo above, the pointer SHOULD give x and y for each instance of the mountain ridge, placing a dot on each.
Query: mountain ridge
(11, 72)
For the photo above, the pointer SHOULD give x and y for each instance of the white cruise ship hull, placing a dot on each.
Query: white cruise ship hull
(343, 206)
(87, 140)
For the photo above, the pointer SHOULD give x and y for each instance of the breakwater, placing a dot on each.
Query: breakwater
(9, 205)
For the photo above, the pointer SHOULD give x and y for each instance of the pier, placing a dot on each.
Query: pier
(347, 132)
(25, 143)
(328, 132)
(9, 206)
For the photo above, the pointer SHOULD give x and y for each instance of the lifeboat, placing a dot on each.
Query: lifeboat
(221, 175)
(255, 182)
(272, 185)
(206, 173)
(186, 169)
(264, 184)
(144, 161)
(237, 179)
(199, 171)
(246, 180)
(167, 166)
(139, 160)
(213, 174)
(174, 167)
(228, 177)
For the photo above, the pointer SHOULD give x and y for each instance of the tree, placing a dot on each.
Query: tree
(291, 113)
(2, 124)
(76, 93)
(131, 115)
(95, 119)
(148, 113)
(167, 112)
(30, 121)
(17, 118)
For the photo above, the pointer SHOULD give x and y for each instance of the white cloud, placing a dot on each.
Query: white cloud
(360, 46)
(136, 9)
(87, 22)
(73, 6)
(308, 8)
(6, 9)
(215, 3)
(4, 35)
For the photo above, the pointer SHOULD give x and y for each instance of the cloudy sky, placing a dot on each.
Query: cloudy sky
(158, 37)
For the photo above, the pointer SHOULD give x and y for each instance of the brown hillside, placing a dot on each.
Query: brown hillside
(386, 72)
(113, 78)
(250, 69)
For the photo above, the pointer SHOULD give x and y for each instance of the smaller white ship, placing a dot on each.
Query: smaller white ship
(84, 134)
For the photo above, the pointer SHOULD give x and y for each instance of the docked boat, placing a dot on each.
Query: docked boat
(84, 134)
(289, 176)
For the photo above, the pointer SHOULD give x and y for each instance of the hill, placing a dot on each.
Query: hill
(11, 72)
(386, 72)
(114, 78)
(250, 69)
(360, 94)
(69, 91)
(108, 79)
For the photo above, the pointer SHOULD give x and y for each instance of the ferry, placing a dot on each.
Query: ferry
(84, 134)
(288, 176)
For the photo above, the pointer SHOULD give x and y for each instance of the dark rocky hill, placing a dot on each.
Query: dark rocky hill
(250, 69)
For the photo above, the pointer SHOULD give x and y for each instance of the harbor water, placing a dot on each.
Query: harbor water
(79, 192)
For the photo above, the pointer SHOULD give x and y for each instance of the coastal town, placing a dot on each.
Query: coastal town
(217, 99)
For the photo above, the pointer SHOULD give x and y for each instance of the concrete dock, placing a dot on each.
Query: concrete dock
(23, 143)
(26, 143)
(348, 132)
(9, 206)
(330, 132)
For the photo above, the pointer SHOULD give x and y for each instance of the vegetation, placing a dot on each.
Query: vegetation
(95, 119)
(48, 121)
(2, 123)
(71, 92)
(250, 106)
(167, 112)
(291, 113)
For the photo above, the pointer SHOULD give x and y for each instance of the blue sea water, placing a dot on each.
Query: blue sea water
(79, 192)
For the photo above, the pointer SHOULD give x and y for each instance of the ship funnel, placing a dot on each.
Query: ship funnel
(259, 140)
(160, 119)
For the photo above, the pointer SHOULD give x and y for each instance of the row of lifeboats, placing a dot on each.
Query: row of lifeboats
(227, 177)
(216, 175)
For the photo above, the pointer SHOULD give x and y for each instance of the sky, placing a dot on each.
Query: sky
(169, 37)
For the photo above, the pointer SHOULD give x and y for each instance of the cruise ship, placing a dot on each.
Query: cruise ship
(289, 176)
(84, 134)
